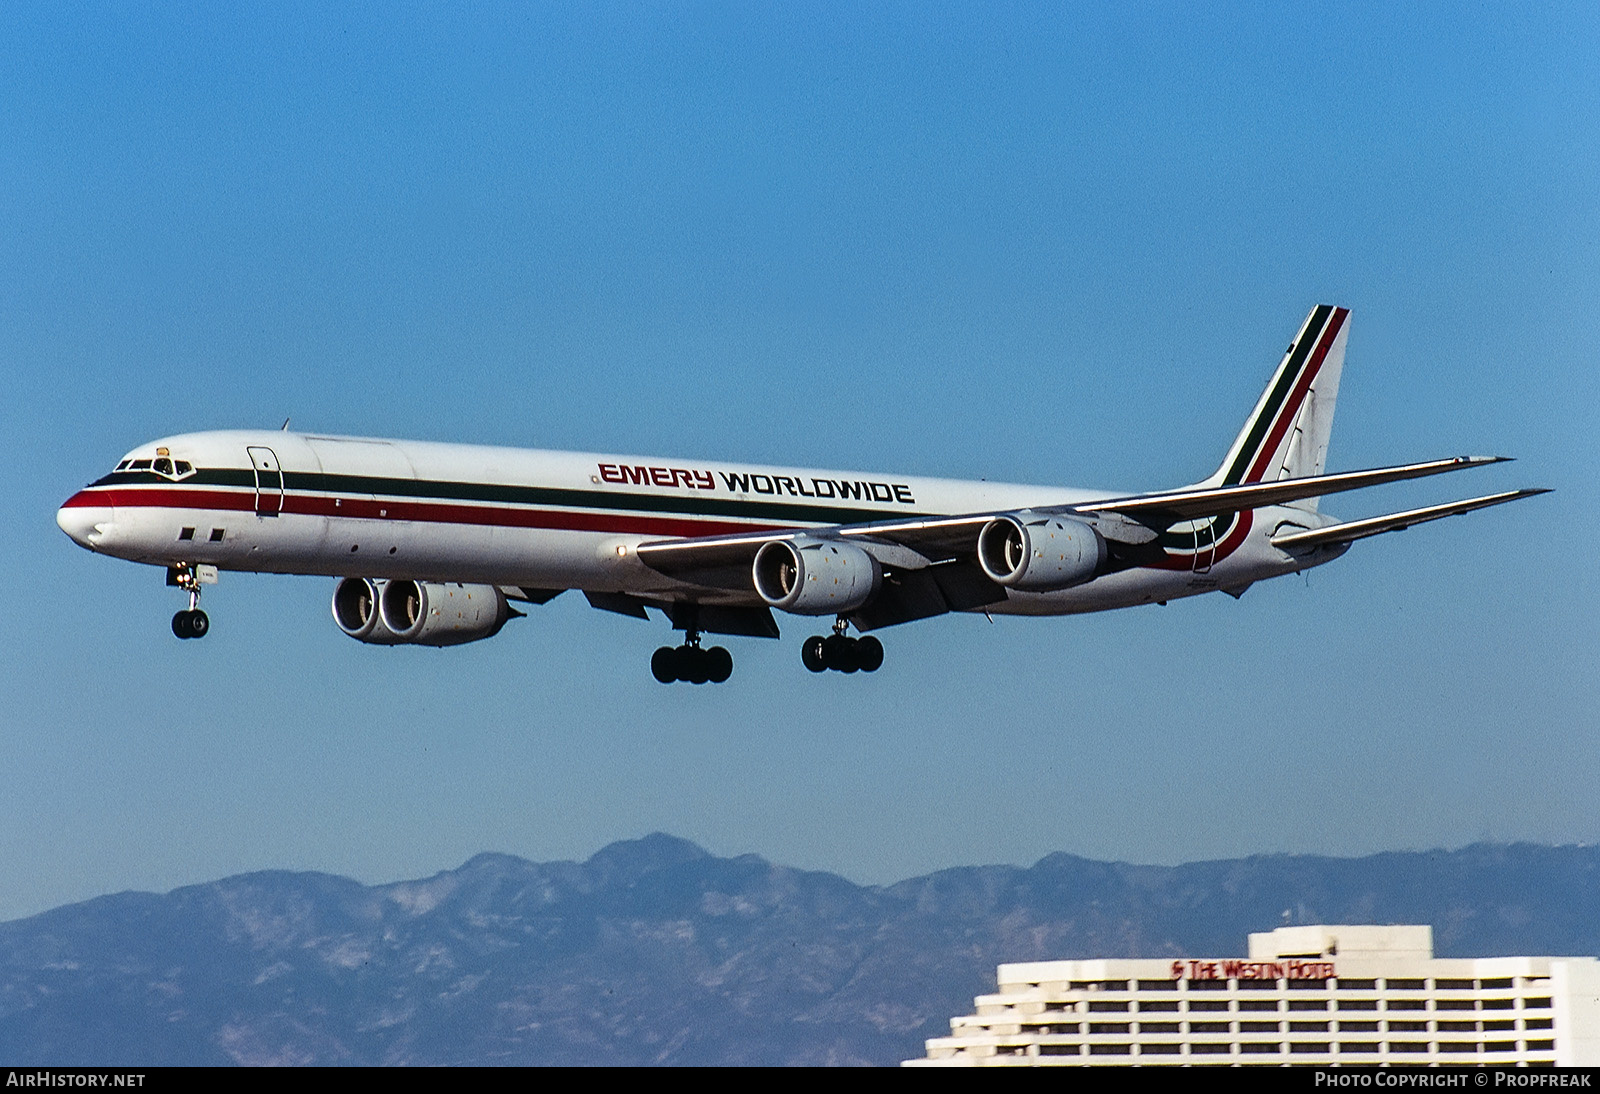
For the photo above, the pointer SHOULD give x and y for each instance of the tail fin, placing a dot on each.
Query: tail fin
(1287, 434)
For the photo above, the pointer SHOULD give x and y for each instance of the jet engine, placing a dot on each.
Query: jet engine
(815, 577)
(1040, 554)
(422, 613)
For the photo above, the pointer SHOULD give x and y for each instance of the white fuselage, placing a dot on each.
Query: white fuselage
(279, 502)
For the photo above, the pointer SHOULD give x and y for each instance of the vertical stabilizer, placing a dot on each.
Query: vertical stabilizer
(1287, 434)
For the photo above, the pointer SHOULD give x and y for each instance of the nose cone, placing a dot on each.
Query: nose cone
(85, 519)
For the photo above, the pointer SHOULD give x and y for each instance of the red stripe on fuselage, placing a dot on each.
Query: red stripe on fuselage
(435, 512)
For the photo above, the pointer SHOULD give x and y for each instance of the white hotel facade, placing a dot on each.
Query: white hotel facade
(1306, 995)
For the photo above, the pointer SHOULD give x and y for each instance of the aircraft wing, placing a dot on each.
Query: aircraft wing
(931, 559)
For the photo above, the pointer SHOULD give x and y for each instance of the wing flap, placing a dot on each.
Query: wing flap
(934, 590)
(530, 595)
(1350, 531)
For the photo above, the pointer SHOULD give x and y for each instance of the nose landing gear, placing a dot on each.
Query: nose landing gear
(192, 623)
(840, 652)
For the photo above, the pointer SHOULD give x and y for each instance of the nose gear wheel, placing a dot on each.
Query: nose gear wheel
(191, 624)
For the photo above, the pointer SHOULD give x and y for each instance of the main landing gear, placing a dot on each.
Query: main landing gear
(840, 652)
(691, 664)
(193, 623)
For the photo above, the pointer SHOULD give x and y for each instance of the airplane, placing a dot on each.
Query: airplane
(433, 543)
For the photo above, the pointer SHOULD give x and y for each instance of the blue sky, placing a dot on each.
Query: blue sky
(1038, 243)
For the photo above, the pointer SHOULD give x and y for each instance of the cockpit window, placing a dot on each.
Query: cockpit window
(165, 466)
(123, 466)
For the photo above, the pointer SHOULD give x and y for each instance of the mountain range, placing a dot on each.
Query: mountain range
(656, 952)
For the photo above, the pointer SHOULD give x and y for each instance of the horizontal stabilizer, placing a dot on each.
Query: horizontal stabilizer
(1214, 501)
(1394, 522)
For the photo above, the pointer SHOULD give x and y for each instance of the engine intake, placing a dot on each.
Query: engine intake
(1040, 554)
(355, 610)
(815, 577)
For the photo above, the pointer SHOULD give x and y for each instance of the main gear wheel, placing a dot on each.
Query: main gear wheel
(691, 664)
(841, 653)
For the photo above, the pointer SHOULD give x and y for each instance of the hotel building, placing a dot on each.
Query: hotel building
(1306, 995)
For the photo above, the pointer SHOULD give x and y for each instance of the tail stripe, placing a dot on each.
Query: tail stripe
(1288, 392)
(1307, 377)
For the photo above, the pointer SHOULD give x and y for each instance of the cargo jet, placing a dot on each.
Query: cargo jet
(433, 543)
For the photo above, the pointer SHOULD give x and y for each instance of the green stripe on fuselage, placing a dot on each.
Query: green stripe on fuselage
(698, 504)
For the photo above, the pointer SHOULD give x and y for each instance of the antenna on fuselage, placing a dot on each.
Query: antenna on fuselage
(284, 428)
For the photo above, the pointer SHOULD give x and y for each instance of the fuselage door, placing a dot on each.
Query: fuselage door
(1205, 543)
(269, 481)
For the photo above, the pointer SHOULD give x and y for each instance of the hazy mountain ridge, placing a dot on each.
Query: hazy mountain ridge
(654, 951)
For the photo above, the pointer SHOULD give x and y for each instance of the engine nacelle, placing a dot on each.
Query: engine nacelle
(430, 613)
(1040, 554)
(815, 577)
(423, 613)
